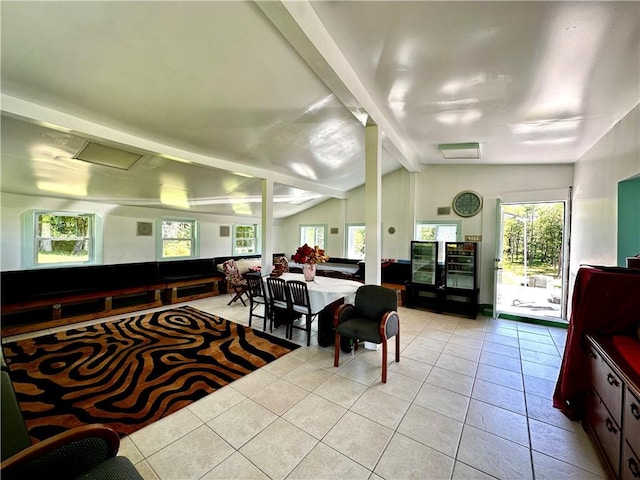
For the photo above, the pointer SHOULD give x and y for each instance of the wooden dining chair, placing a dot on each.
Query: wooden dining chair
(257, 297)
(300, 304)
(279, 311)
(235, 281)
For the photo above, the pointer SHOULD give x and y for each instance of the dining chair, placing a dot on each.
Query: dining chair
(299, 298)
(279, 311)
(235, 281)
(373, 318)
(257, 297)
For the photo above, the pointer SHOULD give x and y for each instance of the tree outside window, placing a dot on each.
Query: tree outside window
(439, 232)
(178, 238)
(356, 241)
(313, 235)
(63, 238)
(245, 239)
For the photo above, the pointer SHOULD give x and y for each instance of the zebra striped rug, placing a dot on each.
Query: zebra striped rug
(131, 372)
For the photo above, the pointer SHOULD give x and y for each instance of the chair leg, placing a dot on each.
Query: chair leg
(384, 360)
(308, 330)
(336, 351)
(266, 315)
(397, 347)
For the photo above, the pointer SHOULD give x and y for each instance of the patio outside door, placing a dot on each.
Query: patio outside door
(530, 260)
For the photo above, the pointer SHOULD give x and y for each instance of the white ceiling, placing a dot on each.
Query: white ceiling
(219, 95)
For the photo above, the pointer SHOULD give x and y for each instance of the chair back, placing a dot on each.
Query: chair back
(231, 272)
(277, 292)
(256, 289)
(372, 301)
(299, 296)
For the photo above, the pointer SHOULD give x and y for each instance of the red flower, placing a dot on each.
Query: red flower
(306, 254)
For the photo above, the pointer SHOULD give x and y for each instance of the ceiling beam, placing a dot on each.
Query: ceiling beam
(298, 22)
(61, 121)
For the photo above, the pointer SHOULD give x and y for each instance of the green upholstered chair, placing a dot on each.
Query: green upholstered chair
(373, 318)
(88, 452)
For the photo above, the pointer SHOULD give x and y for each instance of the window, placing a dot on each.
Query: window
(313, 235)
(245, 239)
(60, 238)
(178, 238)
(356, 241)
(440, 232)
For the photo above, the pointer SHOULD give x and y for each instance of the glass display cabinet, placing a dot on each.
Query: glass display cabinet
(424, 262)
(461, 278)
(422, 288)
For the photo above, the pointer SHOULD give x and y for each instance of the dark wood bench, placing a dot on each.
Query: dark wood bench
(46, 298)
(189, 279)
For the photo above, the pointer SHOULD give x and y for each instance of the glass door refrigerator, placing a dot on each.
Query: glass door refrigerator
(461, 278)
(423, 285)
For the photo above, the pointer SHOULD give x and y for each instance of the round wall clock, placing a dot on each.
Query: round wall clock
(467, 203)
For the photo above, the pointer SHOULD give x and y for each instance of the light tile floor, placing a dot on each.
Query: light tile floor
(469, 399)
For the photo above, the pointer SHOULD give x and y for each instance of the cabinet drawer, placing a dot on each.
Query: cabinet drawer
(630, 464)
(606, 430)
(632, 420)
(608, 385)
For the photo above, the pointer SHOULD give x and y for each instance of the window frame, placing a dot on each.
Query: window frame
(256, 239)
(31, 239)
(317, 226)
(441, 252)
(195, 243)
(347, 230)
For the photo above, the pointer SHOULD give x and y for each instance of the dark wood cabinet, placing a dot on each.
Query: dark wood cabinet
(613, 409)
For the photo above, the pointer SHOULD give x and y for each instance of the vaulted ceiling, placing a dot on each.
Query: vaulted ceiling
(216, 96)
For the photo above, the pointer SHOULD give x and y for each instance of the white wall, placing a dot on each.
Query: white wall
(120, 242)
(436, 186)
(612, 159)
(594, 228)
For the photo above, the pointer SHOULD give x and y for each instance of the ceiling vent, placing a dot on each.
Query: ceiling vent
(107, 156)
(460, 151)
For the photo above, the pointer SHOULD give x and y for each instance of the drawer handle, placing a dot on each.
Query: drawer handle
(633, 468)
(610, 426)
(612, 380)
(635, 411)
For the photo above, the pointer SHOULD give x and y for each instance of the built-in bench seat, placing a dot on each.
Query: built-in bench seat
(42, 298)
(52, 297)
(189, 279)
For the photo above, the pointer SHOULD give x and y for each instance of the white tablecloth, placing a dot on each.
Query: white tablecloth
(326, 290)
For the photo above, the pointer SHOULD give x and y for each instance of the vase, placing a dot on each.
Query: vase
(309, 271)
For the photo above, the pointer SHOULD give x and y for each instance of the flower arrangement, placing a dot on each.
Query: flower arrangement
(306, 254)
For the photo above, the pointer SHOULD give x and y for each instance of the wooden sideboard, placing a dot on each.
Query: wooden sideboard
(613, 408)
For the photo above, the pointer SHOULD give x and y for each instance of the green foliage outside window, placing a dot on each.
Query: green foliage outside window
(177, 238)
(63, 238)
(312, 235)
(544, 238)
(245, 239)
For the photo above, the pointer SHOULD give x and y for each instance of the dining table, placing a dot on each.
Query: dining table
(326, 294)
